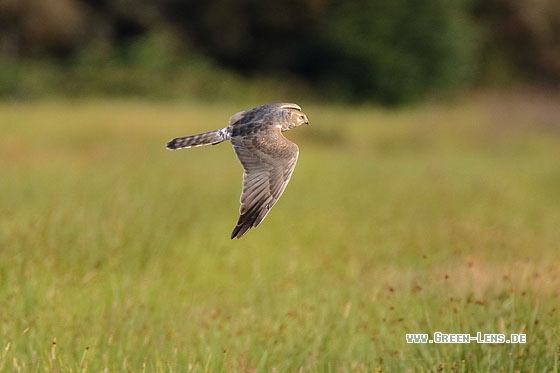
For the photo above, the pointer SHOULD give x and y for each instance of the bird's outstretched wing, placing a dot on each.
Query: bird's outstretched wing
(268, 160)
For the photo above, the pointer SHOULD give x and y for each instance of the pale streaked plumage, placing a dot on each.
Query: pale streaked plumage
(267, 157)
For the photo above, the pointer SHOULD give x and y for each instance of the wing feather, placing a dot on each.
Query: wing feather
(268, 160)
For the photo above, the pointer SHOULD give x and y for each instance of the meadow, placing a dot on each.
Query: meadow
(115, 253)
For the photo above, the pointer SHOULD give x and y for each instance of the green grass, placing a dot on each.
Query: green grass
(115, 253)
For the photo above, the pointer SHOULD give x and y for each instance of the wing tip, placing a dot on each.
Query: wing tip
(246, 221)
(239, 231)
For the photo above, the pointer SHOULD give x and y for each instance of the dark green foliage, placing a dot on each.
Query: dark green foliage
(394, 51)
(388, 51)
(522, 39)
(355, 50)
(246, 35)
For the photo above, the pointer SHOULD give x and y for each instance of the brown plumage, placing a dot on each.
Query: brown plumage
(267, 157)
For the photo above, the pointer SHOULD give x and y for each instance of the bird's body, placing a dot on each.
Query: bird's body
(267, 157)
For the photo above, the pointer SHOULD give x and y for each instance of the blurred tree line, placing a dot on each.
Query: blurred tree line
(389, 51)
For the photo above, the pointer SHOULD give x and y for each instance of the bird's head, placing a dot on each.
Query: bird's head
(284, 115)
(293, 116)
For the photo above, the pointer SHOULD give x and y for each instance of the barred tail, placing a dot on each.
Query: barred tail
(207, 138)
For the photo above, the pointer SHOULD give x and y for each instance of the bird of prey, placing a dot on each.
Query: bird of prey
(267, 157)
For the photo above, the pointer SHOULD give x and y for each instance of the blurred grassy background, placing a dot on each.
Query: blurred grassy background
(116, 253)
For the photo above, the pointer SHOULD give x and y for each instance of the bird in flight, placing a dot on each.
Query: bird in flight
(267, 157)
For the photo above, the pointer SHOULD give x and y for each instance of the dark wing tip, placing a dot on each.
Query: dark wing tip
(242, 227)
(246, 221)
(239, 231)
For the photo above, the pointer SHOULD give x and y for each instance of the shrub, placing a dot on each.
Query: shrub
(393, 51)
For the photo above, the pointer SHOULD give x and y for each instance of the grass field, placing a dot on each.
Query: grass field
(115, 253)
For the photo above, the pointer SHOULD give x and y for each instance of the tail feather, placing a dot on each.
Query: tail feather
(207, 138)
